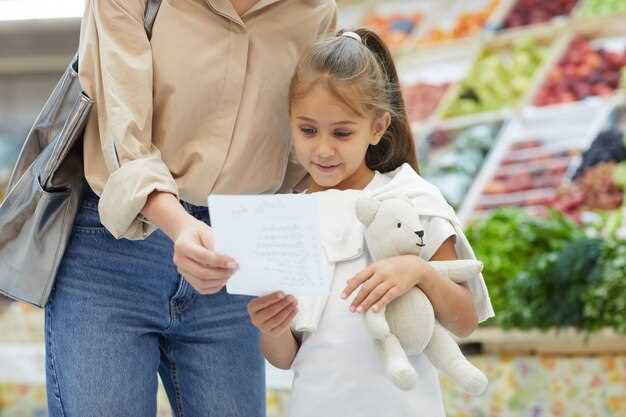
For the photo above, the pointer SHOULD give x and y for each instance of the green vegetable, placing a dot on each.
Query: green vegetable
(605, 301)
(550, 294)
(509, 239)
(619, 176)
(602, 7)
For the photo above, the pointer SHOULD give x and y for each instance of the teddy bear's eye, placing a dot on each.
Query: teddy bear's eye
(399, 225)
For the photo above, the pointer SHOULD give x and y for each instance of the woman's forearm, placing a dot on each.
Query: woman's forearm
(165, 211)
(281, 350)
(452, 303)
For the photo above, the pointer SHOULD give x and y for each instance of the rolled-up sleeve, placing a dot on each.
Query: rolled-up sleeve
(115, 70)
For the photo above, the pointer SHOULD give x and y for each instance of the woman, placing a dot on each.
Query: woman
(199, 108)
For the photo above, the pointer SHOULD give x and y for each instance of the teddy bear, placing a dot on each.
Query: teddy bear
(407, 326)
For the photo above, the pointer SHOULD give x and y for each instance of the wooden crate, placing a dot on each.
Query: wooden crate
(553, 342)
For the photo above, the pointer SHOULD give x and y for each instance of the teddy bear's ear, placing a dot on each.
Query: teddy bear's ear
(366, 209)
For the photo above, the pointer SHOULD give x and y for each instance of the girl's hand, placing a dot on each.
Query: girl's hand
(196, 260)
(384, 281)
(272, 313)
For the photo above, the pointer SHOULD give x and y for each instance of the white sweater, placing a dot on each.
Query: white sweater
(343, 235)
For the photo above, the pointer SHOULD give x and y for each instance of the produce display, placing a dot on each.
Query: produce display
(529, 174)
(582, 285)
(454, 157)
(509, 239)
(585, 70)
(530, 12)
(608, 146)
(605, 301)
(544, 273)
(549, 293)
(395, 29)
(598, 180)
(499, 78)
(591, 8)
(466, 23)
(422, 99)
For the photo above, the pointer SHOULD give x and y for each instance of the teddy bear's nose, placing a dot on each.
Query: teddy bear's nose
(420, 234)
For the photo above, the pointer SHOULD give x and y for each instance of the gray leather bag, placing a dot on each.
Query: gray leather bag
(45, 189)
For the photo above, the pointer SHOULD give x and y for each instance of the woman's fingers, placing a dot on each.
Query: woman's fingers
(203, 256)
(188, 267)
(205, 287)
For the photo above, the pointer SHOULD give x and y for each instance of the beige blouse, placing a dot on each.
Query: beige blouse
(199, 109)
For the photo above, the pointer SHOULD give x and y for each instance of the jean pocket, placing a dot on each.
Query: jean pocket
(88, 219)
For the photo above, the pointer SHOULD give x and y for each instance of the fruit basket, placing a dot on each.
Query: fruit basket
(589, 62)
(537, 153)
(397, 22)
(501, 74)
(452, 154)
(528, 13)
(458, 20)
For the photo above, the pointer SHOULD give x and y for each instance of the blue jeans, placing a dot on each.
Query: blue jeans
(120, 313)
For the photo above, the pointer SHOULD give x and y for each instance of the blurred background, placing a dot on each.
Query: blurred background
(519, 114)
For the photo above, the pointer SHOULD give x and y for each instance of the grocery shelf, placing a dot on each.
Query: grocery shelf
(574, 126)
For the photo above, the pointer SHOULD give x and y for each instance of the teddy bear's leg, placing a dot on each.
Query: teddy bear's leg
(446, 356)
(377, 323)
(396, 361)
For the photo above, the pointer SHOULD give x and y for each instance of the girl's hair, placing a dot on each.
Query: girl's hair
(364, 78)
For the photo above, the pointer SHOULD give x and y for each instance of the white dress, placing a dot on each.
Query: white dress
(338, 372)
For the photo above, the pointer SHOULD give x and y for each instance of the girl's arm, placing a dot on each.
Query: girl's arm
(271, 314)
(385, 280)
(452, 302)
(280, 350)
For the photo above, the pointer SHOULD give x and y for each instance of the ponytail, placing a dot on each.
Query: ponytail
(397, 145)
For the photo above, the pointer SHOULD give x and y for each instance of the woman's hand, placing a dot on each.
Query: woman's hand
(272, 313)
(196, 260)
(384, 281)
(194, 247)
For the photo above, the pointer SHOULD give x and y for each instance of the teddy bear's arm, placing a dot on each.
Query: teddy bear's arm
(458, 271)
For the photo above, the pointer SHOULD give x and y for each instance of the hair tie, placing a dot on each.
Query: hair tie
(352, 35)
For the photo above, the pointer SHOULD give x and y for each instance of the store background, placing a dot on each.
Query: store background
(506, 98)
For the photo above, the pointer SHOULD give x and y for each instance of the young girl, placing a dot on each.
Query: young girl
(350, 132)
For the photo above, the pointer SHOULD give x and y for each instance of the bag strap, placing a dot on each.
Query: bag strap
(152, 8)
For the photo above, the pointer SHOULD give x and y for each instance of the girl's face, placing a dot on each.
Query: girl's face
(331, 140)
